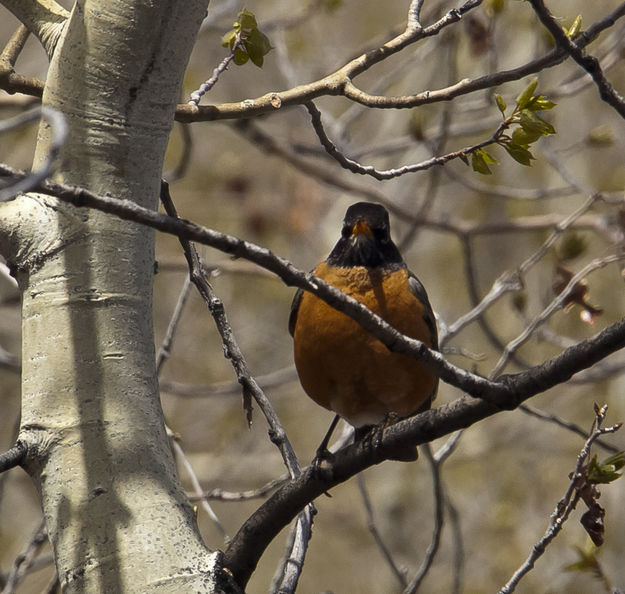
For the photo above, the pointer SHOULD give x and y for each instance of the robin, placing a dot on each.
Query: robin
(343, 367)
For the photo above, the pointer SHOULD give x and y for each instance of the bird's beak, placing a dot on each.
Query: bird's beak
(361, 228)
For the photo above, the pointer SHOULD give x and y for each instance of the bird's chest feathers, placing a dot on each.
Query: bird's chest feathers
(386, 294)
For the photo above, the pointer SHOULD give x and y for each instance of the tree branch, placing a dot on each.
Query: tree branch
(257, 532)
(9, 80)
(339, 82)
(13, 457)
(589, 63)
(44, 18)
(58, 128)
(566, 505)
(250, 387)
(385, 174)
(301, 532)
(503, 393)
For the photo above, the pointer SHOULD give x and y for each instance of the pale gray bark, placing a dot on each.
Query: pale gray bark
(116, 514)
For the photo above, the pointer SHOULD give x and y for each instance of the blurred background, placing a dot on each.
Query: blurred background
(459, 232)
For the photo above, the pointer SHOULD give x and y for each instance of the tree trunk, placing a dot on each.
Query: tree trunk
(98, 453)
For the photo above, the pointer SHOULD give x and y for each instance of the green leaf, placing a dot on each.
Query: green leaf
(540, 103)
(520, 154)
(524, 98)
(501, 104)
(480, 160)
(229, 39)
(617, 460)
(587, 561)
(250, 42)
(246, 20)
(488, 158)
(257, 46)
(240, 56)
(532, 123)
(606, 471)
(523, 137)
(576, 28)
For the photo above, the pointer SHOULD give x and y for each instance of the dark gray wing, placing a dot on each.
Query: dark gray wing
(418, 290)
(294, 309)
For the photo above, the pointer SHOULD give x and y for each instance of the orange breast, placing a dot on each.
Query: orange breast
(344, 368)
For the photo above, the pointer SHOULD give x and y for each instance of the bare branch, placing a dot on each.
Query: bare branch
(13, 457)
(399, 573)
(59, 133)
(290, 568)
(25, 559)
(506, 392)
(249, 385)
(555, 305)
(512, 280)
(278, 510)
(439, 505)
(269, 380)
(333, 84)
(565, 506)
(44, 18)
(197, 488)
(13, 49)
(205, 87)
(266, 142)
(165, 351)
(589, 63)
(339, 82)
(386, 174)
(228, 496)
(574, 428)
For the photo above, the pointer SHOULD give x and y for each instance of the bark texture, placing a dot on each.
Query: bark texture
(97, 450)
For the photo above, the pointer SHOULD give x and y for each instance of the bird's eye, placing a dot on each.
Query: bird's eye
(346, 231)
(381, 235)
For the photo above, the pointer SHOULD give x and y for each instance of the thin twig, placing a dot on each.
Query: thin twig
(165, 351)
(25, 559)
(235, 496)
(458, 545)
(13, 49)
(512, 280)
(565, 506)
(197, 488)
(573, 427)
(249, 385)
(435, 462)
(589, 63)
(290, 568)
(386, 174)
(56, 120)
(205, 87)
(269, 380)
(301, 531)
(398, 572)
(554, 306)
(9, 80)
(163, 354)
